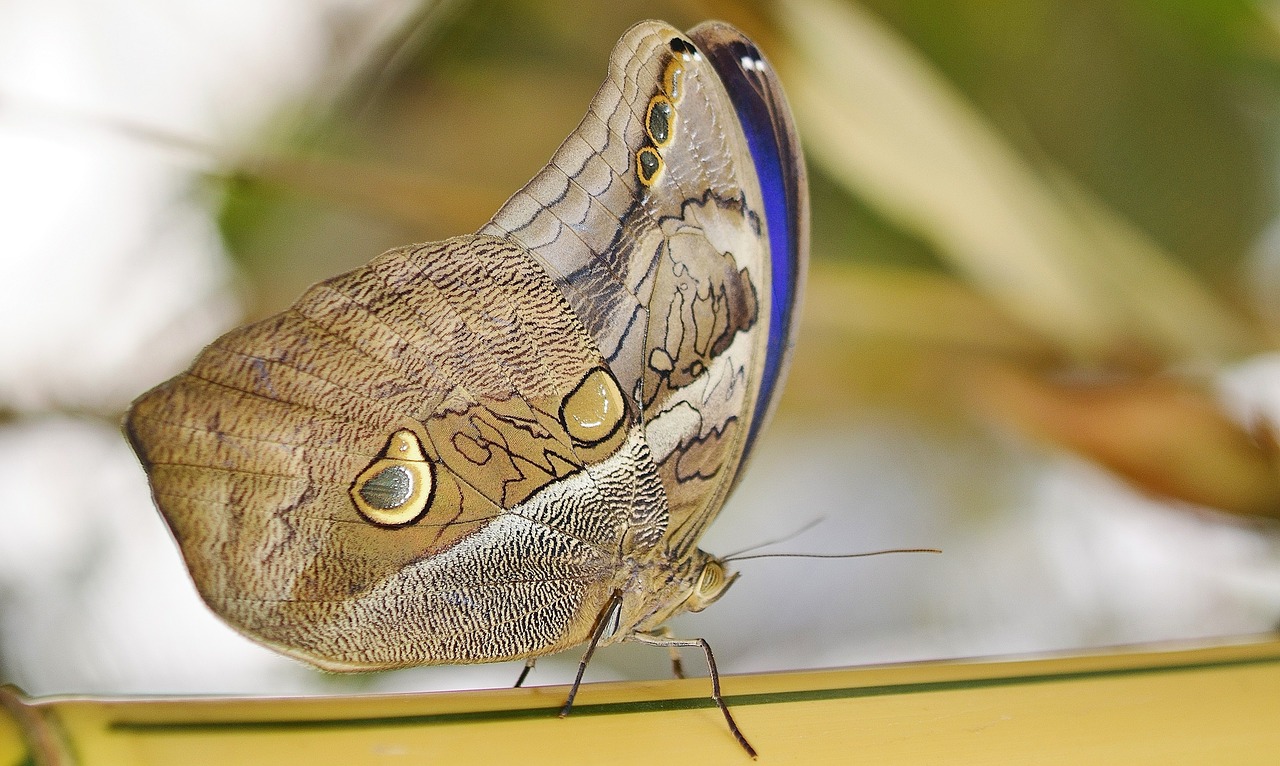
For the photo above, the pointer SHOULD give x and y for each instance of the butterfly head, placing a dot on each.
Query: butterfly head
(712, 582)
(674, 587)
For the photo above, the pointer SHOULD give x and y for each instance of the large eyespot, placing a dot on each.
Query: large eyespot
(395, 489)
(593, 411)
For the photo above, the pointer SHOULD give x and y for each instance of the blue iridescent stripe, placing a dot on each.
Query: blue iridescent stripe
(776, 172)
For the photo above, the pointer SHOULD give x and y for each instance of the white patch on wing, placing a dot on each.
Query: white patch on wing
(708, 402)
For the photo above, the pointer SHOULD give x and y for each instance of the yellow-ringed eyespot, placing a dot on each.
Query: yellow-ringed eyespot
(396, 488)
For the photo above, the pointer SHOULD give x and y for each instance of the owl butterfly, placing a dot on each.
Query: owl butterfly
(509, 443)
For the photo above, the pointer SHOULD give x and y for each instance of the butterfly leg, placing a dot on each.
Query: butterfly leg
(663, 638)
(677, 665)
(524, 673)
(603, 621)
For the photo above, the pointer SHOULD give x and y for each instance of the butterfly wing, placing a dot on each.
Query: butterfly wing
(444, 456)
(675, 221)
(460, 367)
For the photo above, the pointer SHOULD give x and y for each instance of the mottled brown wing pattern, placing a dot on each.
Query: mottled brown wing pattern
(252, 452)
(666, 270)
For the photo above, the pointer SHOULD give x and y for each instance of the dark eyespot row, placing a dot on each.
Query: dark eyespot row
(648, 163)
(660, 116)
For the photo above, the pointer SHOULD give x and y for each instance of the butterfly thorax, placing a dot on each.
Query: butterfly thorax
(657, 589)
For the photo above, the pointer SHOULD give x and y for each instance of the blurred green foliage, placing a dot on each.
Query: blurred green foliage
(1166, 110)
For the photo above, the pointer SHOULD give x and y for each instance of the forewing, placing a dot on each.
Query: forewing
(674, 220)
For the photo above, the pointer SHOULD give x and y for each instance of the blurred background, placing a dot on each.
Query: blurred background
(1040, 330)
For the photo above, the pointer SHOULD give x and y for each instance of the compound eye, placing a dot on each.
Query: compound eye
(713, 581)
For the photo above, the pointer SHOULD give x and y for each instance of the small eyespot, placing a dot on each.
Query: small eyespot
(648, 163)
(593, 411)
(658, 120)
(396, 488)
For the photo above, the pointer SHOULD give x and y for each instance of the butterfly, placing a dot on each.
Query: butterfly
(509, 443)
